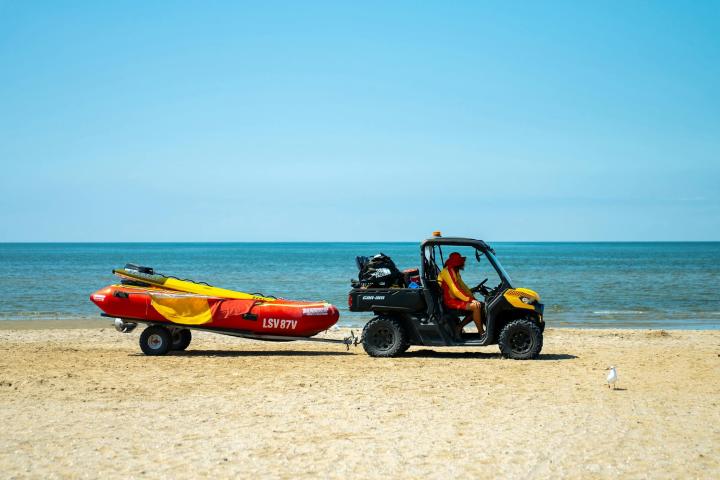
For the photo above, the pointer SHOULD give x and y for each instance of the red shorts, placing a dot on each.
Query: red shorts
(456, 304)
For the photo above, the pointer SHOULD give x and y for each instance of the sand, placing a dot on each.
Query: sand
(83, 403)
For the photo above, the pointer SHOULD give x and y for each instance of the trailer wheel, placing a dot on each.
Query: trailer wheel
(155, 340)
(384, 337)
(520, 340)
(181, 338)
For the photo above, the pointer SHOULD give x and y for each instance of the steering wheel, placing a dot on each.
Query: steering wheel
(480, 287)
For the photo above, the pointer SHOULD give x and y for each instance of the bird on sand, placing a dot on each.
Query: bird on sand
(612, 377)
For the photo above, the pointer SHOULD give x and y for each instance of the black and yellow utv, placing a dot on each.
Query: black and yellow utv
(410, 311)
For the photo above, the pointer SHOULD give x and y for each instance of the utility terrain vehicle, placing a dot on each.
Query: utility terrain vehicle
(416, 316)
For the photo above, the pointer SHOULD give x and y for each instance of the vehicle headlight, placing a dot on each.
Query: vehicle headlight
(527, 300)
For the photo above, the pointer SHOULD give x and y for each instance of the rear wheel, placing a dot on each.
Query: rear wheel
(384, 337)
(155, 340)
(520, 340)
(181, 338)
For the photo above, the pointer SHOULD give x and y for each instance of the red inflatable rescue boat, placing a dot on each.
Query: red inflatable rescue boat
(172, 307)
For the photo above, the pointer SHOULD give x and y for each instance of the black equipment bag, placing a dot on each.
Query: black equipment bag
(378, 272)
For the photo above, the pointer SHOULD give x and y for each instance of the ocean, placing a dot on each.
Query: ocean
(594, 285)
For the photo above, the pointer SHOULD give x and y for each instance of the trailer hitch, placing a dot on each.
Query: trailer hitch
(351, 340)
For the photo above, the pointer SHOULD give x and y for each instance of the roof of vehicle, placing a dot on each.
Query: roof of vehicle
(456, 241)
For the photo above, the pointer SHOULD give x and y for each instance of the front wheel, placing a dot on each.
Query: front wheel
(155, 340)
(181, 339)
(384, 337)
(520, 340)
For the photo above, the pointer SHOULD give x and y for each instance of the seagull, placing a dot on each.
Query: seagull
(612, 377)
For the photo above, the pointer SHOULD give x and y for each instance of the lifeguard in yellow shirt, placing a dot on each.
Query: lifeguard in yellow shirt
(457, 295)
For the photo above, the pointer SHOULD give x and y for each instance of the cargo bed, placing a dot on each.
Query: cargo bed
(406, 300)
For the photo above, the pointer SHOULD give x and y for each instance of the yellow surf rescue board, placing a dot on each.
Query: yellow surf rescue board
(185, 286)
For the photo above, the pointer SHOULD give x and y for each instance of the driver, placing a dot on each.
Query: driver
(457, 295)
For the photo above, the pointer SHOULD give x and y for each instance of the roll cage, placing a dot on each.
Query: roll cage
(430, 269)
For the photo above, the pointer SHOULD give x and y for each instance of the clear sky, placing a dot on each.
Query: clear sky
(285, 121)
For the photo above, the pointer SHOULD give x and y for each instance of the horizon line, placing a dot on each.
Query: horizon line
(210, 242)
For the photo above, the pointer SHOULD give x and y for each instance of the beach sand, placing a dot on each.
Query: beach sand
(83, 403)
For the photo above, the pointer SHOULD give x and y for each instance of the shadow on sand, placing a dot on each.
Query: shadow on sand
(252, 353)
(437, 354)
(305, 353)
(556, 356)
(440, 354)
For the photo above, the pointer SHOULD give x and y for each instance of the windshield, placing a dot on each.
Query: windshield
(494, 260)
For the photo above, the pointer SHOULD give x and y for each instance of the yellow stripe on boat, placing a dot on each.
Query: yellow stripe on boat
(184, 310)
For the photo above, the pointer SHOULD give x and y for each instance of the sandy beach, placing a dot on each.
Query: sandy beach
(83, 403)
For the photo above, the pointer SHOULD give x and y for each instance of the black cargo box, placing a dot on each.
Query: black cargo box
(387, 300)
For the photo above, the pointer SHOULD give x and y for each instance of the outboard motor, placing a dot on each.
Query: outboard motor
(139, 269)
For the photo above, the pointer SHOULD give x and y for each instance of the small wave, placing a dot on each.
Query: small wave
(619, 312)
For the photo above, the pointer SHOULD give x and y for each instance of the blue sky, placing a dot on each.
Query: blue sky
(253, 121)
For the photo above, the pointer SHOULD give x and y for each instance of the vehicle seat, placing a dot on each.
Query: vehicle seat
(436, 290)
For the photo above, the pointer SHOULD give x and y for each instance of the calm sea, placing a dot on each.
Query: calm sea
(633, 285)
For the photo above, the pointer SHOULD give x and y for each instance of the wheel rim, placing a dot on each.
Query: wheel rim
(382, 338)
(155, 341)
(521, 341)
